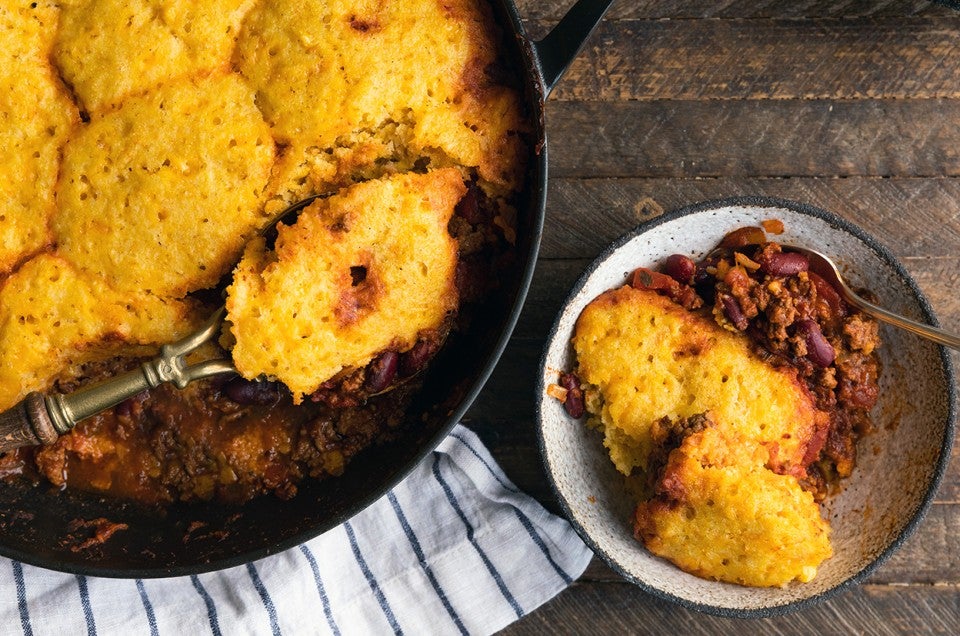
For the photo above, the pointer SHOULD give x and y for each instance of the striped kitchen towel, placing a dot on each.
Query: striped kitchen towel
(455, 548)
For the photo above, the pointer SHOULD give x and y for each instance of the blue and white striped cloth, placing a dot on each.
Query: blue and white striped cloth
(455, 548)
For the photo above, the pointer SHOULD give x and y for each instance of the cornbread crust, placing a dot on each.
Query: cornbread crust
(721, 514)
(54, 318)
(161, 194)
(107, 49)
(393, 82)
(643, 358)
(362, 271)
(35, 117)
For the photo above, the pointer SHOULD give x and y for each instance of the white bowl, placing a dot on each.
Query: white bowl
(899, 465)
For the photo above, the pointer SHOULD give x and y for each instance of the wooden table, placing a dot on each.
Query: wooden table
(850, 105)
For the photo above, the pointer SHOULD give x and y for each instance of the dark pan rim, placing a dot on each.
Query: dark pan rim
(947, 375)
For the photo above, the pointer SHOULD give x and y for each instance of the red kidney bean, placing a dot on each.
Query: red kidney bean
(416, 358)
(381, 371)
(573, 403)
(250, 392)
(703, 281)
(469, 207)
(731, 309)
(829, 295)
(785, 264)
(680, 268)
(819, 350)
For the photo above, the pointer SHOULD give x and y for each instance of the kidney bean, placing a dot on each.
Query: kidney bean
(573, 403)
(251, 392)
(836, 307)
(785, 264)
(819, 350)
(381, 371)
(680, 268)
(469, 207)
(731, 309)
(703, 281)
(416, 358)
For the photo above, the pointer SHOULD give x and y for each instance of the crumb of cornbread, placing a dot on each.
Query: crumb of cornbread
(721, 514)
(362, 271)
(35, 117)
(54, 318)
(162, 193)
(644, 358)
(107, 49)
(338, 76)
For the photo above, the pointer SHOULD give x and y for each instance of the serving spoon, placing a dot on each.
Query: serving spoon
(822, 265)
(39, 419)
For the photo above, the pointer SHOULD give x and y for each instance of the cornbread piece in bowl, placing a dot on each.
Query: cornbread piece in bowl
(643, 358)
(363, 272)
(719, 512)
(35, 117)
(645, 361)
(359, 90)
(108, 49)
(707, 488)
(161, 193)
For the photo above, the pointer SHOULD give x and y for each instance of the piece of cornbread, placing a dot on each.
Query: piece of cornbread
(645, 357)
(721, 514)
(161, 194)
(54, 318)
(390, 82)
(36, 116)
(107, 49)
(360, 272)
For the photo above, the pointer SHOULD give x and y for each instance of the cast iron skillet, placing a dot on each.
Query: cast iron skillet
(34, 521)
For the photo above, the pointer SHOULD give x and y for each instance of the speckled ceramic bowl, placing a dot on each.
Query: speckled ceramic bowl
(899, 465)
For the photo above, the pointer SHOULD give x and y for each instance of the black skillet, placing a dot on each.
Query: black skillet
(34, 521)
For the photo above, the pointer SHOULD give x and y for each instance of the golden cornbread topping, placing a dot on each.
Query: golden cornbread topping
(146, 143)
(366, 270)
(733, 392)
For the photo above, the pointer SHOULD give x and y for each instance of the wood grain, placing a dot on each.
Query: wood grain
(620, 608)
(767, 59)
(684, 9)
(755, 138)
(915, 218)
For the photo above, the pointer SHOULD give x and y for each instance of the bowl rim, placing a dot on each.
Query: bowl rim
(946, 368)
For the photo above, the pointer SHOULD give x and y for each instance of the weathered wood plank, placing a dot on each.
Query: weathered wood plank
(755, 138)
(621, 608)
(917, 218)
(684, 9)
(767, 59)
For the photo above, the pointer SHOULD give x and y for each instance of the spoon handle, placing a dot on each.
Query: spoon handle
(925, 331)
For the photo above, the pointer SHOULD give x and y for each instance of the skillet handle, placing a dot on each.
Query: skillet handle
(27, 424)
(558, 49)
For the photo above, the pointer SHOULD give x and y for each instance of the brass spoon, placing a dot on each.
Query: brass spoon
(826, 268)
(41, 420)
